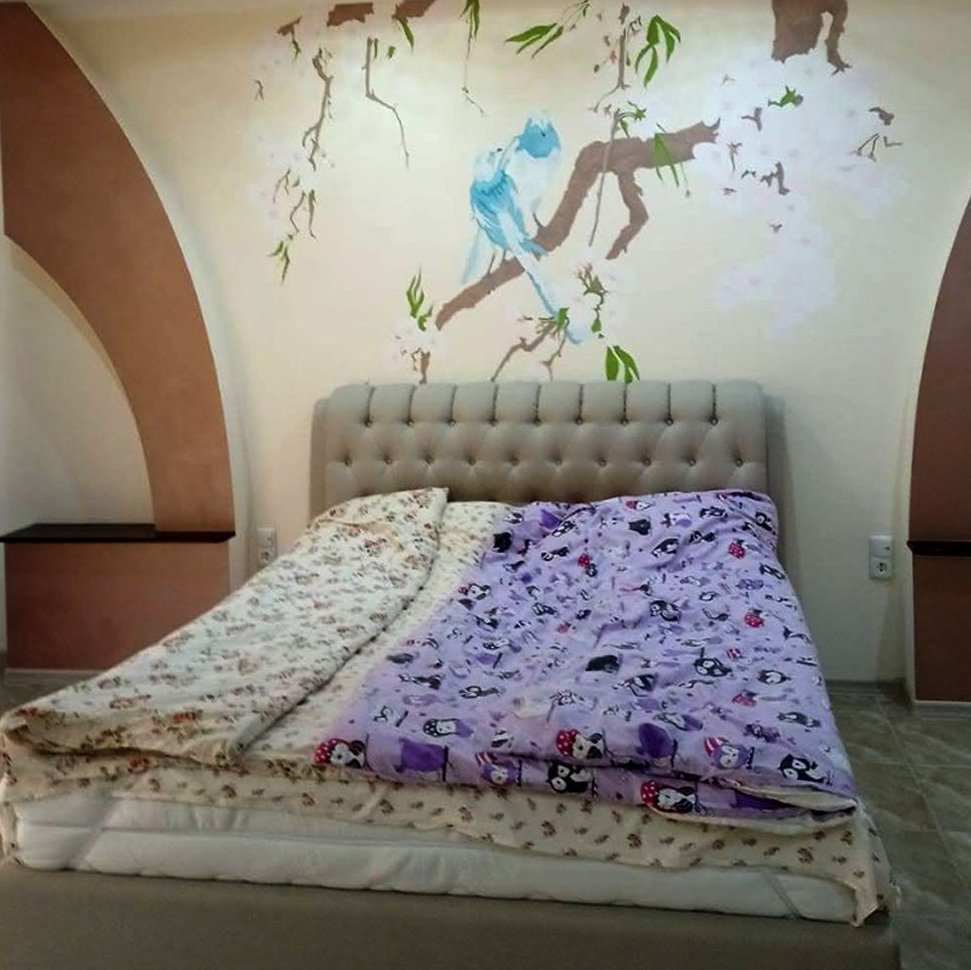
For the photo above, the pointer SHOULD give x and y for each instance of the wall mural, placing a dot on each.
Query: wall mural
(780, 116)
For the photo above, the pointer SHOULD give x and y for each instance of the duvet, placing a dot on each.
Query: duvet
(648, 651)
(641, 652)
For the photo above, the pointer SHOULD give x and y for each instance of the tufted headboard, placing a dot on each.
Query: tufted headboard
(521, 441)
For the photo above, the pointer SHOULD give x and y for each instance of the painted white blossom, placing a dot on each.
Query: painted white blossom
(518, 325)
(811, 139)
(409, 339)
(788, 287)
(614, 317)
(582, 313)
(273, 213)
(535, 370)
(271, 60)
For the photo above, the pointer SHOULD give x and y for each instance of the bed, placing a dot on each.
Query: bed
(512, 443)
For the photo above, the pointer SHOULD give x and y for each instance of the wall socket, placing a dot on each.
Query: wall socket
(265, 546)
(881, 557)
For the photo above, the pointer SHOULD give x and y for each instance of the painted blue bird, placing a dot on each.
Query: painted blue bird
(498, 204)
(498, 213)
(532, 158)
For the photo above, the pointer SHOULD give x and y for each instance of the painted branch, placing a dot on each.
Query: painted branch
(627, 156)
(630, 192)
(343, 13)
(408, 9)
(799, 25)
(614, 125)
(525, 346)
(313, 133)
(551, 360)
(372, 45)
(777, 175)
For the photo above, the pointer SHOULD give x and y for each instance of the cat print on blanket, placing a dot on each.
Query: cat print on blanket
(647, 651)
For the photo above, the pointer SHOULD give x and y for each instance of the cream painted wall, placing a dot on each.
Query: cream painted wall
(69, 449)
(838, 354)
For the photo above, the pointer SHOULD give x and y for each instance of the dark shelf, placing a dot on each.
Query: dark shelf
(940, 547)
(107, 532)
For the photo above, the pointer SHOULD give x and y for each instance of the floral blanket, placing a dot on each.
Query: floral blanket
(207, 691)
(648, 651)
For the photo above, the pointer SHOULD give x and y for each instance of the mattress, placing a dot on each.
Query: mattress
(118, 835)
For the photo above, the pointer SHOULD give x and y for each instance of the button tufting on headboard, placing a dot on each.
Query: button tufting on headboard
(518, 441)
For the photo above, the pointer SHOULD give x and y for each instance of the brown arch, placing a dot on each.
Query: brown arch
(77, 199)
(940, 513)
(941, 466)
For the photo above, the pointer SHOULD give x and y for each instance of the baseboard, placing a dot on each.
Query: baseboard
(942, 707)
(28, 677)
(890, 688)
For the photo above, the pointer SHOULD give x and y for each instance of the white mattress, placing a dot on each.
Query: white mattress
(132, 836)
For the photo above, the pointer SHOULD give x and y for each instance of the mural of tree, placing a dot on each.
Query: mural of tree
(741, 150)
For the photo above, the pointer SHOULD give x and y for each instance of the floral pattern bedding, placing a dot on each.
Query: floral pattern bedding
(274, 770)
(208, 690)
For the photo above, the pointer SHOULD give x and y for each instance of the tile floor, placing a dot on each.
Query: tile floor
(914, 770)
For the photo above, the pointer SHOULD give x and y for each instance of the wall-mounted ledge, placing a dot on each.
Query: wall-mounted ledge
(99, 532)
(87, 596)
(940, 547)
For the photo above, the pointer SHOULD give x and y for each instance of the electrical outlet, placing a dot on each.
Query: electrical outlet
(265, 545)
(881, 557)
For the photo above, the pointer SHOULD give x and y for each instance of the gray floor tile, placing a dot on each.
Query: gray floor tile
(896, 707)
(894, 798)
(869, 737)
(932, 741)
(928, 878)
(934, 943)
(959, 845)
(948, 793)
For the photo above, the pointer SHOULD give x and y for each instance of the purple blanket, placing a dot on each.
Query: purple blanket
(642, 650)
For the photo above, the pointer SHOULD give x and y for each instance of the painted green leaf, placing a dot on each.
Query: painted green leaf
(672, 36)
(406, 27)
(652, 67)
(624, 127)
(597, 326)
(391, 51)
(414, 295)
(530, 36)
(278, 250)
(611, 365)
(473, 14)
(661, 151)
(791, 96)
(631, 370)
(556, 35)
(654, 31)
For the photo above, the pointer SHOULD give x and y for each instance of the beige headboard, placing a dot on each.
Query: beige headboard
(520, 442)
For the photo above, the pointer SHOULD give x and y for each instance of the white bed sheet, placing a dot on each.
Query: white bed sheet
(124, 835)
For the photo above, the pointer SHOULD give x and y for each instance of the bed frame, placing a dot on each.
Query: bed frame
(511, 442)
